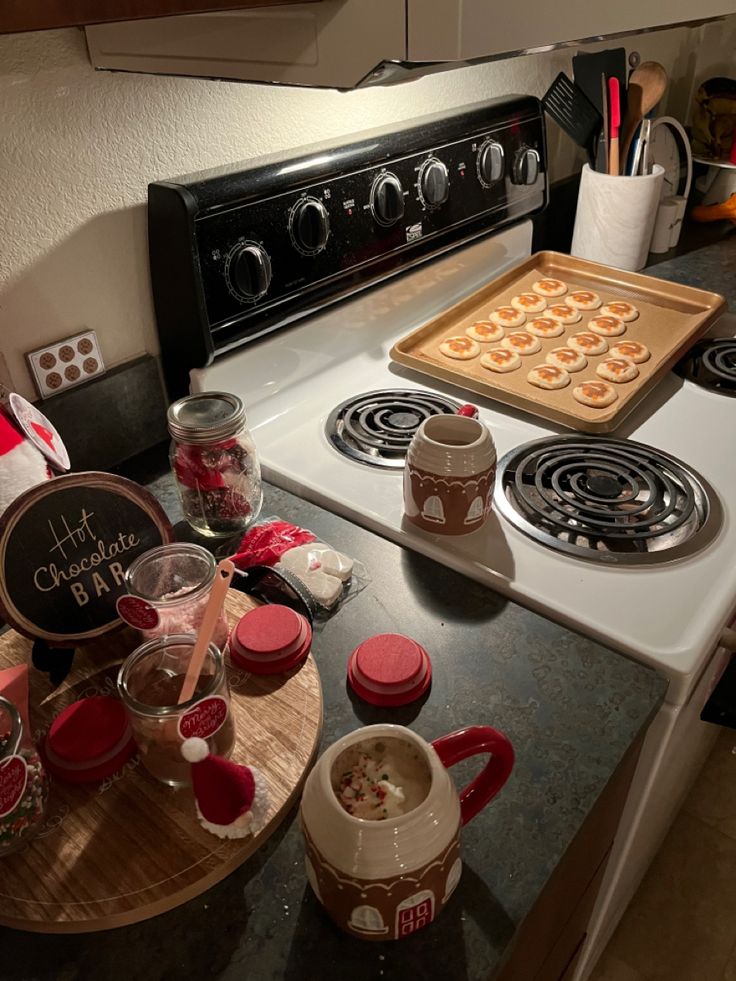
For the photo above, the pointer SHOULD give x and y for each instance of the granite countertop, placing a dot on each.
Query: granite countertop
(571, 708)
(712, 268)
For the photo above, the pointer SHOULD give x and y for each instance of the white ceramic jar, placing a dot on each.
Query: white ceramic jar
(384, 879)
(449, 475)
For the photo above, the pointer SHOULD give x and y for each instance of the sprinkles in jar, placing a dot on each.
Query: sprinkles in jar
(23, 783)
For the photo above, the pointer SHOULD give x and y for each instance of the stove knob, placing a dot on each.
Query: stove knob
(387, 199)
(249, 271)
(526, 166)
(434, 183)
(490, 163)
(309, 226)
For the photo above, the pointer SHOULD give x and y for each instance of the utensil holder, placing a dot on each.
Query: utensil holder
(615, 217)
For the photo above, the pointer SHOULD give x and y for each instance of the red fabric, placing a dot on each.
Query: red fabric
(224, 790)
(10, 437)
(264, 544)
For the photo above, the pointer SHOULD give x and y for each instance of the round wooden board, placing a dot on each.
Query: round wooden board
(130, 848)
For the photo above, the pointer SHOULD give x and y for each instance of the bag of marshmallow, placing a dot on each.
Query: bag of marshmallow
(322, 577)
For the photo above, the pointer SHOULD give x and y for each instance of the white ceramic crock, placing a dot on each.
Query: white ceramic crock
(449, 474)
(383, 880)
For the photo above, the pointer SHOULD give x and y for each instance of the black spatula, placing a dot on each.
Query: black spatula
(574, 112)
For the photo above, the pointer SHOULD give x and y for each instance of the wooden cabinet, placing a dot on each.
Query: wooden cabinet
(41, 15)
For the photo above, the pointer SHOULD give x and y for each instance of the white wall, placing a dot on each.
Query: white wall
(78, 148)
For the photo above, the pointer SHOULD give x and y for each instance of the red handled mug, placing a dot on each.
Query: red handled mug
(473, 741)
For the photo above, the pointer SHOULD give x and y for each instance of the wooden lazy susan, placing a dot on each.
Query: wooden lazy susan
(130, 848)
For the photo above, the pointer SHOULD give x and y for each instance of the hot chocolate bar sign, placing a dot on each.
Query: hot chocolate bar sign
(64, 549)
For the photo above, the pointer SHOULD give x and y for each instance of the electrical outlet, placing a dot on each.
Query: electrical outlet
(66, 363)
(6, 382)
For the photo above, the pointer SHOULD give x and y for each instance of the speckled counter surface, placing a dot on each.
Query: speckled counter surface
(570, 707)
(711, 268)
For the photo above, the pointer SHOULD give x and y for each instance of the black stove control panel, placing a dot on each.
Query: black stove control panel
(239, 252)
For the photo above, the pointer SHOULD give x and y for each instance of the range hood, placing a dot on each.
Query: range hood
(347, 44)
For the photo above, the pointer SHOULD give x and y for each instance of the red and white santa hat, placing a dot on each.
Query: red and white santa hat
(21, 464)
(232, 799)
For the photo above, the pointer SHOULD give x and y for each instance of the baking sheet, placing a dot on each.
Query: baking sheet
(671, 318)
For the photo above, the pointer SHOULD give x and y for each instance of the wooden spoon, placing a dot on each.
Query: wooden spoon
(224, 574)
(647, 85)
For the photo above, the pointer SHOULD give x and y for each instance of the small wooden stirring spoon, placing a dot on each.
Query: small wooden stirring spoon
(647, 85)
(223, 575)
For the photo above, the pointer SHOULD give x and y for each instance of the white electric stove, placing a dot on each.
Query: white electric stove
(664, 601)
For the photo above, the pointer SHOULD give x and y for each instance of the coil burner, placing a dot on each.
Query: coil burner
(609, 500)
(376, 428)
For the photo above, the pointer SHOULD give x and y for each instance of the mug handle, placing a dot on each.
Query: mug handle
(471, 741)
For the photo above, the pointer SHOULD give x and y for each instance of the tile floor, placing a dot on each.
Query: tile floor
(681, 925)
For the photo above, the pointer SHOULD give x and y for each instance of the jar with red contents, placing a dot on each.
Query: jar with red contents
(215, 463)
(24, 785)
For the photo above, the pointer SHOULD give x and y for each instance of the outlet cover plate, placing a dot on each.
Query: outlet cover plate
(64, 364)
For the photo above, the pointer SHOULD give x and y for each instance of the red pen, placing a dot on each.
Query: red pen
(614, 115)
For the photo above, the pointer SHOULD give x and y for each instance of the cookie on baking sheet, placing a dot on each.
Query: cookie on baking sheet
(507, 317)
(583, 300)
(460, 348)
(500, 359)
(550, 287)
(522, 342)
(617, 370)
(631, 350)
(622, 309)
(563, 313)
(607, 326)
(567, 358)
(545, 327)
(548, 376)
(587, 343)
(597, 395)
(528, 303)
(485, 331)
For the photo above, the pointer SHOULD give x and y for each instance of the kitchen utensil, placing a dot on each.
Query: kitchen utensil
(141, 834)
(640, 156)
(573, 112)
(647, 85)
(614, 122)
(601, 156)
(384, 879)
(672, 317)
(588, 67)
(212, 614)
(448, 476)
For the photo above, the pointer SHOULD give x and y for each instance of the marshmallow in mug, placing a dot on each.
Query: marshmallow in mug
(322, 570)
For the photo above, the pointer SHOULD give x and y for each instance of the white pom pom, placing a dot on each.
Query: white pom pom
(194, 750)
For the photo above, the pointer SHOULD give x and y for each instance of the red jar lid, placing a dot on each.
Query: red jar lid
(90, 740)
(270, 639)
(389, 670)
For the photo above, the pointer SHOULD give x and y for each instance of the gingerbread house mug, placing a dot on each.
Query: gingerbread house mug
(381, 820)
(449, 474)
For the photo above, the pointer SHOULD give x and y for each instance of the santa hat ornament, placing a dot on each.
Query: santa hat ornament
(232, 799)
(22, 465)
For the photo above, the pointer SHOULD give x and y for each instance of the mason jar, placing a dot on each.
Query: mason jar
(24, 787)
(215, 463)
(149, 683)
(175, 580)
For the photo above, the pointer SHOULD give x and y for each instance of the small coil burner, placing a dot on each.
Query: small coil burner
(610, 500)
(711, 364)
(376, 428)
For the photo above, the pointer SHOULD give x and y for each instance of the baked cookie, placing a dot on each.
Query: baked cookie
(567, 358)
(500, 359)
(528, 303)
(522, 342)
(563, 313)
(550, 287)
(631, 350)
(545, 327)
(507, 317)
(617, 370)
(548, 376)
(484, 331)
(583, 300)
(606, 326)
(587, 343)
(460, 348)
(622, 309)
(595, 394)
